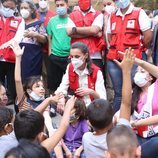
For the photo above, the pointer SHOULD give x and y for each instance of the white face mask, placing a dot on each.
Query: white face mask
(76, 62)
(35, 97)
(109, 9)
(6, 12)
(24, 13)
(140, 79)
(43, 4)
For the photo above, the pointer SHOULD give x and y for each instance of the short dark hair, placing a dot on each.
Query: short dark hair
(15, 1)
(28, 124)
(28, 149)
(6, 116)
(66, 1)
(100, 113)
(121, 139)
(32, 6)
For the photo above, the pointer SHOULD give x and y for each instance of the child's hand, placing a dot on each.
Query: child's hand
(77, 153)
(128, 60)
(16, 48)
(70, 103)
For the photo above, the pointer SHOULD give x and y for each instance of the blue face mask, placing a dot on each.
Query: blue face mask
(61, 10)
(35, 97)
(122, 4)
(7, 12)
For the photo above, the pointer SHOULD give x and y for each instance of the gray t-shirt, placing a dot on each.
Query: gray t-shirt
(95, 145)
(6, 143)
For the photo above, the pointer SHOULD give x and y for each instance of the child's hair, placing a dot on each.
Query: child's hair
(80, 109)
(6, 116)
(66, 1)
(28, 124)
(30, 82)
(15, 1)
(100, 114)
(121, 140)
(27, 149)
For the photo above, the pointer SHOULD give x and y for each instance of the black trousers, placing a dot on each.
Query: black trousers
(56, 70)
(7, 78)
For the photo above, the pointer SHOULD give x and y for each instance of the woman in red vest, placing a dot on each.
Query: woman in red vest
(82, 78)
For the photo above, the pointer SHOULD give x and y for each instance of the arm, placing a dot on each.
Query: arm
(147, 37)
(126, 66)
(78, 152)
(153, 120)
(51, 142)
(49, 45)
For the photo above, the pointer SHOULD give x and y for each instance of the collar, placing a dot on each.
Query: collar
(91, 10)
(81, 72)
(130, 9)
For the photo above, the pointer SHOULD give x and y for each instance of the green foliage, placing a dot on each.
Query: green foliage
(147, 4)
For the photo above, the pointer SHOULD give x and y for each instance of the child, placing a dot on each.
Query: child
(33, 92)
(3, 96)
(122, 143)
(27, 149)
(100, 114)
(72, 140)
(34, 122)
(7, 137)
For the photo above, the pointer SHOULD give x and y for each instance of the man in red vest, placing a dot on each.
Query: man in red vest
(11, 28)
(127, 27)
(86, 25)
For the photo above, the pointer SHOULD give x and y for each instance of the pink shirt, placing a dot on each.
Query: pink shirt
(143, 100)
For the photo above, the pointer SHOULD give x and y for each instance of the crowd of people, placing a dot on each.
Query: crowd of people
(98, 70)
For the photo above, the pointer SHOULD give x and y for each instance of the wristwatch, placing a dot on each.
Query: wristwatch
(74, 30)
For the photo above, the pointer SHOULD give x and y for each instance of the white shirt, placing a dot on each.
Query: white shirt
(144, 21)
(98, 21)
(83, 82)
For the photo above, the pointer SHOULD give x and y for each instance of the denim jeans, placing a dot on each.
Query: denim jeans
(116, 78)
(150, 148)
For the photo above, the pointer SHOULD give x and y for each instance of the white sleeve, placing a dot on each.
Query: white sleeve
(20, 32)
(144, 21)
(64, 85)
(123, 121)
(108, 29)
(70, 23)
(98, 21)
(99, 86)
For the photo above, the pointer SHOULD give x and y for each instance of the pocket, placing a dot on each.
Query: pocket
(113, 40)
(132, 40)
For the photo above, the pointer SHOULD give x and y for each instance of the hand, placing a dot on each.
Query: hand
(83, 91)
(77, 153)
(56, 98)
(16, 48)
(128, 60)
(30, 34)
(61, 105)
(70, 103)
(134, 123)
(6, 45)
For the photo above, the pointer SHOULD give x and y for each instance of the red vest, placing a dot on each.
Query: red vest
(73, 79)
(95, 44)
(8, 30)
(125, 33)
(48, 16)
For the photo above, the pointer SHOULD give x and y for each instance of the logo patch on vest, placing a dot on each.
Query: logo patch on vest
(131, 24)
(14, 23)
(113, 26)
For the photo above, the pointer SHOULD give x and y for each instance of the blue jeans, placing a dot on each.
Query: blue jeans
(150, 148)
(116, 78)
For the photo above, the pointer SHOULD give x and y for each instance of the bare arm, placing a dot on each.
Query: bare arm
(49, 45)
(126, 66)
(51, 142)
(147, 38)
(153, 120)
